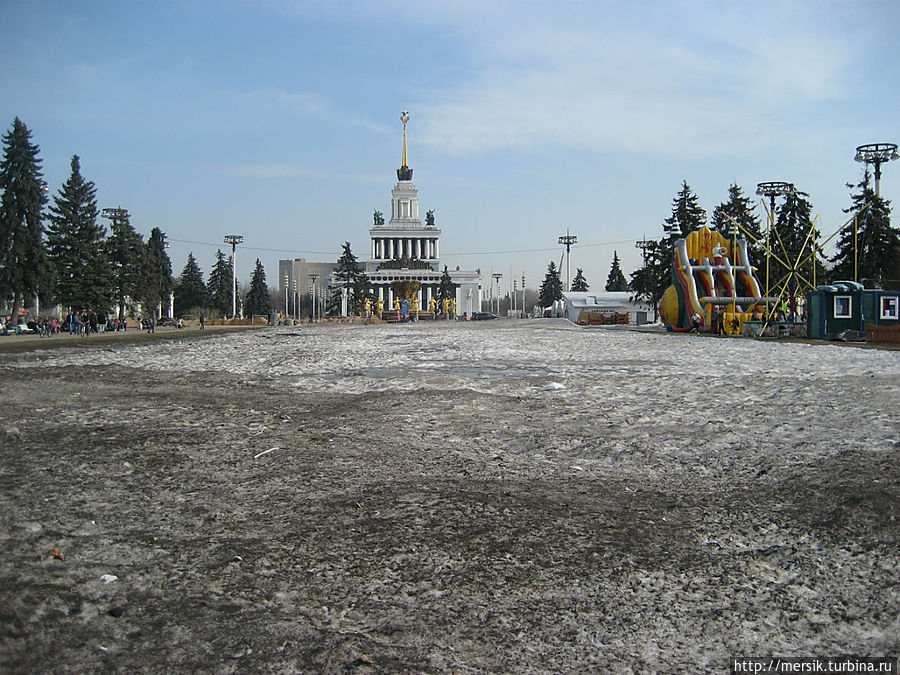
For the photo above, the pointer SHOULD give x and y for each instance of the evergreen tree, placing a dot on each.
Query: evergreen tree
(350, 279)
(24, 269)
(687, 216)
(616, 280)
(551, 286)
(651, 280)
(124, 250)
(156, 278)
(738, 208)
(446, 288)
(792, 245)
(869, 249)
(190, 291)
(76, 246)
(579, 283)
(220, 284)
(258, 301)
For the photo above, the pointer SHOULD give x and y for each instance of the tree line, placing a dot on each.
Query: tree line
(868, 247)
(57, 251)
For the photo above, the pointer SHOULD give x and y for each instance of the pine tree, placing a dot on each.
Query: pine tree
(687, 216)
(579, 283)
(24, 268)
(258, 301)
(655, 276)
(220, 284)
(551, 286)
(350, 279)
(650, 281)
(190, 291)
(76, 246)
(869, 249)
(124, 250)
(792, 245)
(156, 276)
(446, 288)
(738, 208)
(616, 280)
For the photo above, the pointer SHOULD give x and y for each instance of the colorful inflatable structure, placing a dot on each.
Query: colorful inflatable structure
(714, 286)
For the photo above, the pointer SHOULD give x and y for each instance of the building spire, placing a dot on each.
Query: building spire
(404, 172)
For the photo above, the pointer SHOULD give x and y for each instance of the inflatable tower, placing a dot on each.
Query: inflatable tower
(714, 286)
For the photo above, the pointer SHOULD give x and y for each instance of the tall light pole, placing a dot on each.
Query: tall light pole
(877, 154)
(568, 240)
(286, 296)
(523, 295)
(234, 240)
(497, 277)
(771, 189)
(315, 297)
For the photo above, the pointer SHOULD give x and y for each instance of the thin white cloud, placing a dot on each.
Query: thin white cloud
(678, 89)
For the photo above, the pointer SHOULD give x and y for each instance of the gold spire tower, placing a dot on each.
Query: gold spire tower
(404, 172)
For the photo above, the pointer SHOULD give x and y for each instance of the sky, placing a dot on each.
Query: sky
(280, 119)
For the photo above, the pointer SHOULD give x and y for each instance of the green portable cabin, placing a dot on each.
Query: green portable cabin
(846, 305)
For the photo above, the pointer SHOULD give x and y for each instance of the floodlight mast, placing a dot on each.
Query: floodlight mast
(117, 215)
(496, 276)
(234, 240)
(877, 154)
(568, 240)
(315, 296)
(772, 189)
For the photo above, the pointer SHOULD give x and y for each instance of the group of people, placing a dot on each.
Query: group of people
(76, 323)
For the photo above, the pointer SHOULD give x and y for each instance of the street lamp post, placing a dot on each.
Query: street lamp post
(286, 295)
(771, 189)
(496, 276)
(523, 295)
(315, 297)
(568, 240)
(234, 240)
(877, 154)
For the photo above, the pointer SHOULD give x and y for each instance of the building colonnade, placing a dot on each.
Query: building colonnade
(391, 248)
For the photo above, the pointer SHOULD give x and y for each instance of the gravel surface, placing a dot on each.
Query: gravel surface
(495, 497)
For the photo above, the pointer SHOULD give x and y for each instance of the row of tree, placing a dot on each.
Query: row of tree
(64, 255)
(867, 248)
(194, 296)
(552, 285)
(72, 261)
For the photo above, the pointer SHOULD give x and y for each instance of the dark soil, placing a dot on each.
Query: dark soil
(254, 528)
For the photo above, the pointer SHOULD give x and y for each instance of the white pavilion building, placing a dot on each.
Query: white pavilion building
(404, 240)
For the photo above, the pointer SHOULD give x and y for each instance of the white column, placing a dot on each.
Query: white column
(437, 251)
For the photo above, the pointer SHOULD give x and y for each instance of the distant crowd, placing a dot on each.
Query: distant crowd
(75, 323)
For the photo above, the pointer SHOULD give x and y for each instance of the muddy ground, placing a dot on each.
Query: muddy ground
(257, 528)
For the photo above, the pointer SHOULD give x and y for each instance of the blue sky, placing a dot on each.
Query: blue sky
(279, 119)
